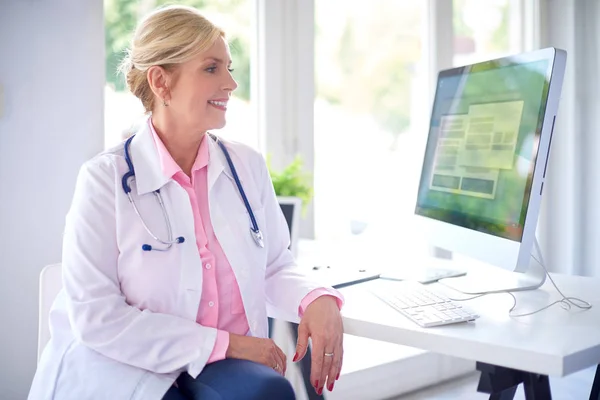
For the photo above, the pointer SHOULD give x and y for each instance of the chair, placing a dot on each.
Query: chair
(50, 285)
(291, 207)
(595, 393)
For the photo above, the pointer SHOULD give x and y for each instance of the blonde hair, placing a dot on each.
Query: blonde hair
(166, 37)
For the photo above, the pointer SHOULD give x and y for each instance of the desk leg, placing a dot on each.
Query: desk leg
(501, 383)
(506, 394)
(536, 386)
(595, 393)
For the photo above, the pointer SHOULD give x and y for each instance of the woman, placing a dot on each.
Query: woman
(172, 255)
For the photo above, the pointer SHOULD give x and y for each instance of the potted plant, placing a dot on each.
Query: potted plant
(294, 193)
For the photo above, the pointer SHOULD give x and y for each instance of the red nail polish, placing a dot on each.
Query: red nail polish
(330, 388)
(338, 377)
(316, 384)
(320, 391)
(295, 357)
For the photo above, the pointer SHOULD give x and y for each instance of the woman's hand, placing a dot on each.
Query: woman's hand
(262, 351)
(322, 322)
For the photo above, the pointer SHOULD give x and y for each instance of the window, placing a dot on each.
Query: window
(123, 110)
(371, 101)
(484, 30)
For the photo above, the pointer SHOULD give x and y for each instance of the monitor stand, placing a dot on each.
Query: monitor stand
(497, 280)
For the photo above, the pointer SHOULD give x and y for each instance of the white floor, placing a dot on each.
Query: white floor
(573, 387)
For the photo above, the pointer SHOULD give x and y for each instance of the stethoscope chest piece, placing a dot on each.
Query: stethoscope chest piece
(258, 237)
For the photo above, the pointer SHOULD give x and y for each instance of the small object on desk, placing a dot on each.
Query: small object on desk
(339, 277)
(425, 275)
(421, 304)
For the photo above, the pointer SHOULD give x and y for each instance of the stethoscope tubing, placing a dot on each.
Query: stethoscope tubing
(130, 174)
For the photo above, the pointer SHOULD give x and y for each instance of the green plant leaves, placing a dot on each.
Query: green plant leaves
(292, 181)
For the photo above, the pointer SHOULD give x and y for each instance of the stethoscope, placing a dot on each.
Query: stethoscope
(254, 230)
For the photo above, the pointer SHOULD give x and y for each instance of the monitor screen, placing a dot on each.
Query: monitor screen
(482, 145)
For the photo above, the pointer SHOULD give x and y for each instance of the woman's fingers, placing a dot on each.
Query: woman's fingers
(316, 365)
(322, 322)
(282, 360)
(302, 343)
(275, 357)
(323, 353)
(336, 367)
(328, 356)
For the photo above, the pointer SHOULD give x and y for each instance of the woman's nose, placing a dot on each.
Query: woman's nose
(231, 84)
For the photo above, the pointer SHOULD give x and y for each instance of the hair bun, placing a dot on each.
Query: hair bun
(168, 36)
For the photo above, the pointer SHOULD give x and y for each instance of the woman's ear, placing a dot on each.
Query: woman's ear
(159, 79)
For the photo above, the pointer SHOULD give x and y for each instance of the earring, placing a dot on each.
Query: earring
(165, 104)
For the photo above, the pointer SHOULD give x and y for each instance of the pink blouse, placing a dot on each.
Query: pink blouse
(221, 304)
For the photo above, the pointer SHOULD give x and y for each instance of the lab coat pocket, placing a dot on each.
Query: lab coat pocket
(254, 257)
(151, 279)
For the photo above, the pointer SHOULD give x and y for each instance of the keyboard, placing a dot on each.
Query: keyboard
(423, 305)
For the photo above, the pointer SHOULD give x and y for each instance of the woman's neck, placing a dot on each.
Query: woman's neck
(181, 142)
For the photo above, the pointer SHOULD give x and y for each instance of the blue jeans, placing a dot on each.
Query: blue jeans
(232, 379)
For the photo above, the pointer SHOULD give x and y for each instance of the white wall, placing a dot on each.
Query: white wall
(52, 73)
(569, 229)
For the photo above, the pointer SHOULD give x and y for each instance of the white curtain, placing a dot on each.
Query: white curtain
(569, 228)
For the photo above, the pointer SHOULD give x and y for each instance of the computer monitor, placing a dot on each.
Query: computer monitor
(486, 159)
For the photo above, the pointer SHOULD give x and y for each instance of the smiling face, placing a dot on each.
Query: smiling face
(199, 89)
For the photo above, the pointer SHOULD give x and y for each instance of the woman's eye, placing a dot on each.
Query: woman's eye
(231, 69)
(211, 69)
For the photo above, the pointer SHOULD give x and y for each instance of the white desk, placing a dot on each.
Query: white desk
(370, 372)
(553, 342)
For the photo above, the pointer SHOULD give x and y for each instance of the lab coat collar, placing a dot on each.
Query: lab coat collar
(148, 173)
(216, 162)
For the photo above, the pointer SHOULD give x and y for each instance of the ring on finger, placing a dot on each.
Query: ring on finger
(328, 354)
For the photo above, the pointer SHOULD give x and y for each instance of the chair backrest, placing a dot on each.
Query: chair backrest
(50, 285)
(291, 207)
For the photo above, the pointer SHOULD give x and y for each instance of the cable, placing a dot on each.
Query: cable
(566, 301)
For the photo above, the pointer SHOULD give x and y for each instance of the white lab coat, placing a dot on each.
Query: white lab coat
(123, 326)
